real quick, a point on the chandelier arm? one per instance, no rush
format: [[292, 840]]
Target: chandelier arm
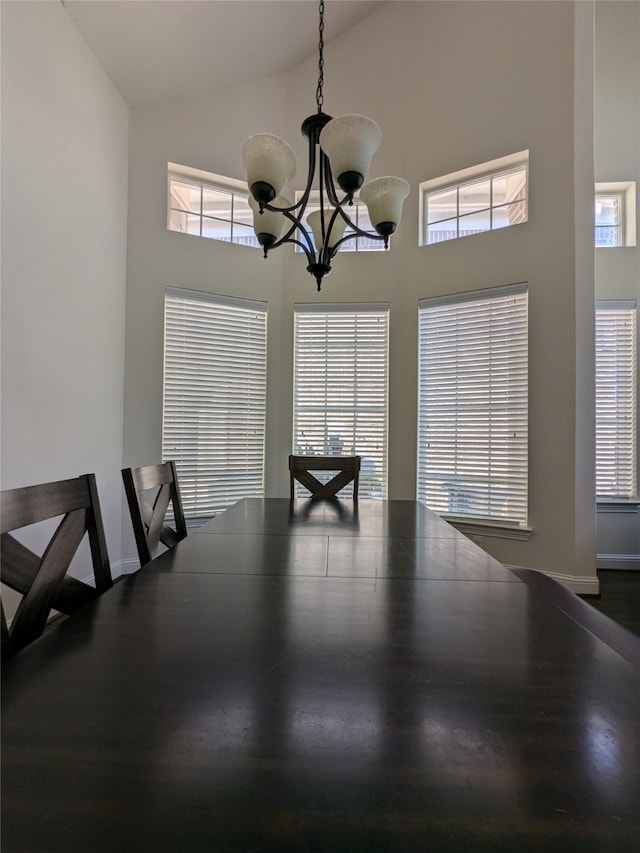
[[296, 222], [313, 146], [301, 204], [329, 183], [287, 238], [372, 235], [311, 256], [329, 249], [284, 210]]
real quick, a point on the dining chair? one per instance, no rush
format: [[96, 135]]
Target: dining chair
[[150, 489], [348, 468], [42, 580]]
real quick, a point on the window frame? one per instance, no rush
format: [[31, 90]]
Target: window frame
[[236, 190], [618, 226], [456, 370], [625, 191], [208, 337], [374, 371], [455, 181]]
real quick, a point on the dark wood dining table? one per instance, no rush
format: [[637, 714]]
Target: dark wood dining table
[[324, 676]]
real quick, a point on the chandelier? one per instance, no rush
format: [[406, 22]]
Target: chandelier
[[340, 146]]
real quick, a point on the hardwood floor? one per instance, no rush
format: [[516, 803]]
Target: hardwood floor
[[619, 597]]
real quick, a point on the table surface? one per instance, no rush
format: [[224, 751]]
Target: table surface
[[321, 677]]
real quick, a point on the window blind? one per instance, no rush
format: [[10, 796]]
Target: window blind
[[214, 398], [616, 402], [472, 412], [341, 387]]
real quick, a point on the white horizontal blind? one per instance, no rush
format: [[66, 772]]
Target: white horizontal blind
[[472, 418], [341, 388], [616, 399], [214, 398]]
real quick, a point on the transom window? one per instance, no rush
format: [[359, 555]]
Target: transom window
[[615, 214], [208, 205], [472, 405], [483, 198], [609, 219], [341, 378]]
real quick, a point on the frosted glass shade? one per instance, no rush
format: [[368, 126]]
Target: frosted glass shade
[[270, 160], [337, 231], [349, 142], [384, 198], [269, 222]]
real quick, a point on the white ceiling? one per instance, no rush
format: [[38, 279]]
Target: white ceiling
[[159, 50]]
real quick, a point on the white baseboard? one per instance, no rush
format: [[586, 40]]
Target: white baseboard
[[580, 584], [118, 570], [124, 567], [618, 561]]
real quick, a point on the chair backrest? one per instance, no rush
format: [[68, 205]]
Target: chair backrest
[[148, 513], [42, 581], [348, 468]]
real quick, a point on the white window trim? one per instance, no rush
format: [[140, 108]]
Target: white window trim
[[627, 189], [519, 160], [494, 530]]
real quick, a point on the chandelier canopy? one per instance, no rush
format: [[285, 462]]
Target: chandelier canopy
[[341, 147]]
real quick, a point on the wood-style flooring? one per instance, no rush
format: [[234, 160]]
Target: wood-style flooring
[[619, 597]]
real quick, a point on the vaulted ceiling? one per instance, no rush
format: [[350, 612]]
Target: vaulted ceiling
[[159, 50]]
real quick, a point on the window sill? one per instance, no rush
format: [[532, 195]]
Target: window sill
[[622, 505], [478, 527]]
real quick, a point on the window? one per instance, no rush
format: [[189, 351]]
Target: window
[[359, 214], [609, 219], [472, 406], [209, 205], [615, 214], [340, 387], [482, 198], [616, 403], [214, 398]]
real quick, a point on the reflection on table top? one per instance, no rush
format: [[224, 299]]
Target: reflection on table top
[[336, 518], [296, 693]]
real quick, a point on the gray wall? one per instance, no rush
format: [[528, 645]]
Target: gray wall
[[617, 158], [64, 220], [462, 83]]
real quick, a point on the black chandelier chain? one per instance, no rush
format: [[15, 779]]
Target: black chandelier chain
[[319, 95]]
